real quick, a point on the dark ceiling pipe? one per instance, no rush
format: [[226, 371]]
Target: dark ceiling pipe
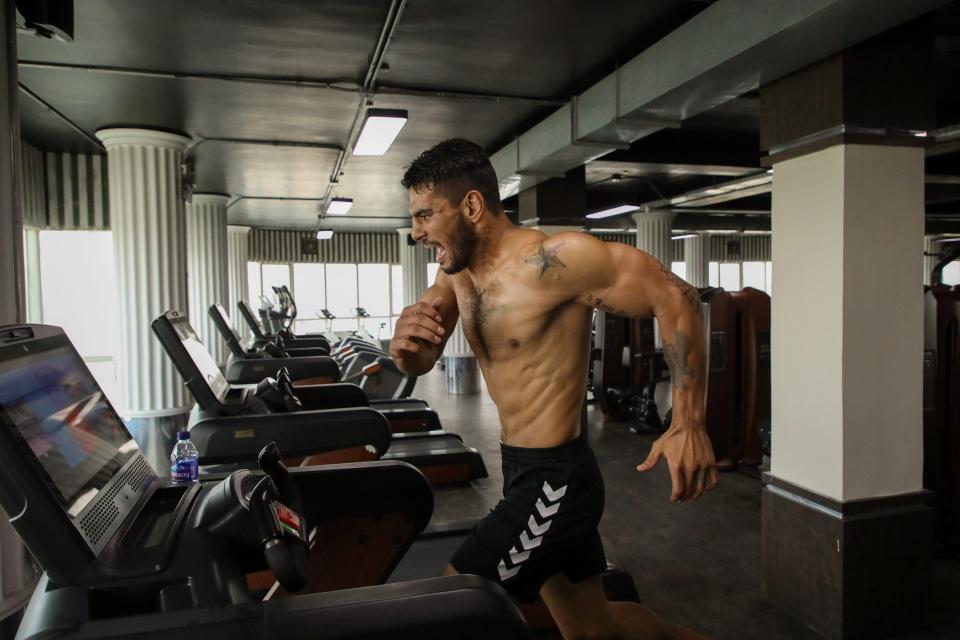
[[345, 86]]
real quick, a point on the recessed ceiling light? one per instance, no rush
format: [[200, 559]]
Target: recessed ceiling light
[[324, 234], [339, 206], [615, 211], [380, 128]]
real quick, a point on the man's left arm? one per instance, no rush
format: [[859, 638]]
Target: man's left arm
[[625, 281]]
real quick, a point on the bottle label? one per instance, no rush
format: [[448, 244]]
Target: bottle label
[[184, 471]]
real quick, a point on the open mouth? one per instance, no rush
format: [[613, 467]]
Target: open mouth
[[441, 253]]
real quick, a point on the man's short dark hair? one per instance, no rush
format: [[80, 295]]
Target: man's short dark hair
[[452, 168]]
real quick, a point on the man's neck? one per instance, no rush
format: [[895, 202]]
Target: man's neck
[[491, 249]]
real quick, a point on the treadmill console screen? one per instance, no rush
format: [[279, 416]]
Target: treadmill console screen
[[201, 358], [51, 402]]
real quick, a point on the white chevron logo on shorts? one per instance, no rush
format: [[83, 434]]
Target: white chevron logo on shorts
[[516, 557], [506, 574], [529, 543], [552, 495], [533, 539], [545, 511], [537, 529]]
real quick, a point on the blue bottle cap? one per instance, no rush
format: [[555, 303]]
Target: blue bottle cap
[[183, 435]]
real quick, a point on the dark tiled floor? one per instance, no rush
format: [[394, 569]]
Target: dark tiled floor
[[697, 564]]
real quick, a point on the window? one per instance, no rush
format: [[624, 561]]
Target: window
[[342, 295], [78, 292], [396, 277], [769, 270], [373, 284], [432, 268], [713, 274], [754, 275], [730, 276], [275, 275], [309, 281], [679, 268], [951, 273], [254, 285]]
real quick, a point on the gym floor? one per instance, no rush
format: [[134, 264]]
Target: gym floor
[[696, 564]]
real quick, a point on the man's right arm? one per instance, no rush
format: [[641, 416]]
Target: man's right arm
[[423, 328]]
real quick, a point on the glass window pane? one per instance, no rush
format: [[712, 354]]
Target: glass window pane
[[342, 291], [679, 268], [396, 275], [951, 273], [78, 289], [432, 268], [254, 285], [373, 282], [730, 276], [769, 288], [754, 275], [308, 281], [275, 275], [713, 274]]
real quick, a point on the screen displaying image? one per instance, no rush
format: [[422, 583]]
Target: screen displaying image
[[55, 405]]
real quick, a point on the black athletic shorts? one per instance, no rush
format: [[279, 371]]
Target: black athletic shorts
[[546, 523]]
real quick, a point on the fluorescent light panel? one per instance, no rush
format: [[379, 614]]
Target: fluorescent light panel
[[606, 213], [380, 129], [685, 236], [324, 234], [339, 206]]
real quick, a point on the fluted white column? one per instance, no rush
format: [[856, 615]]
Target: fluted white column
[[413, 266], [930, 246], [149, 247], [238, 254], [207, 266], [653, 234], [695, 255]]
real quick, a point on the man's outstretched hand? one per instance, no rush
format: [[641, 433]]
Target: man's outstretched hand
[[689, 455]]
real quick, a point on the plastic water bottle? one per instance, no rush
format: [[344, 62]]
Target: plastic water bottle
[[184, 467]]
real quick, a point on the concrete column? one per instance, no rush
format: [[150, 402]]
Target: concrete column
[[696, 255], [16, 573], [847, 339], [930, 248], [207, 267], [238, 254], [150, 257], [413, 266], [653, 234]]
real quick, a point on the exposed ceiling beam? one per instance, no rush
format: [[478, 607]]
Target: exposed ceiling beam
[[726, 50]]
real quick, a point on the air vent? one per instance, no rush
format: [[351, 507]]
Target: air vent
[[101, 517]]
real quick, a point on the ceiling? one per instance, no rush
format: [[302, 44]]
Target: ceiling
[[270, 93]]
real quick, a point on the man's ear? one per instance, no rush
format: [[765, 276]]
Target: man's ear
[[472, 205]]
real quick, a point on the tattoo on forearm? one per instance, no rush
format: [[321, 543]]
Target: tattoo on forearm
[[688, 290], [676, 354], [544, 258]]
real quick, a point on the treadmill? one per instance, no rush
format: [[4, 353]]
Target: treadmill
[[245, 366], [259, 337], [127, 554], [440, 456]]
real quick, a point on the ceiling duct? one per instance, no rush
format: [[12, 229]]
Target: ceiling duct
[[726, 50]]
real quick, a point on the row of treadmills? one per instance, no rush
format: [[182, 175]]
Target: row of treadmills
[[312, 518]]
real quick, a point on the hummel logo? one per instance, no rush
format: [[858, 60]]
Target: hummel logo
[[545, 511], [506, 574], [552, 495], [516, 557], [537, 529], [528, 542]]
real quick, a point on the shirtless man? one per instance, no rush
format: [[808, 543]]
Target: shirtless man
[[526, 302]]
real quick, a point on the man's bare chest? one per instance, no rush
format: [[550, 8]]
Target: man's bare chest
[[499, 317]]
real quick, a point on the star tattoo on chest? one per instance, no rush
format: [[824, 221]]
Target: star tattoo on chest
[[544, 258]]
